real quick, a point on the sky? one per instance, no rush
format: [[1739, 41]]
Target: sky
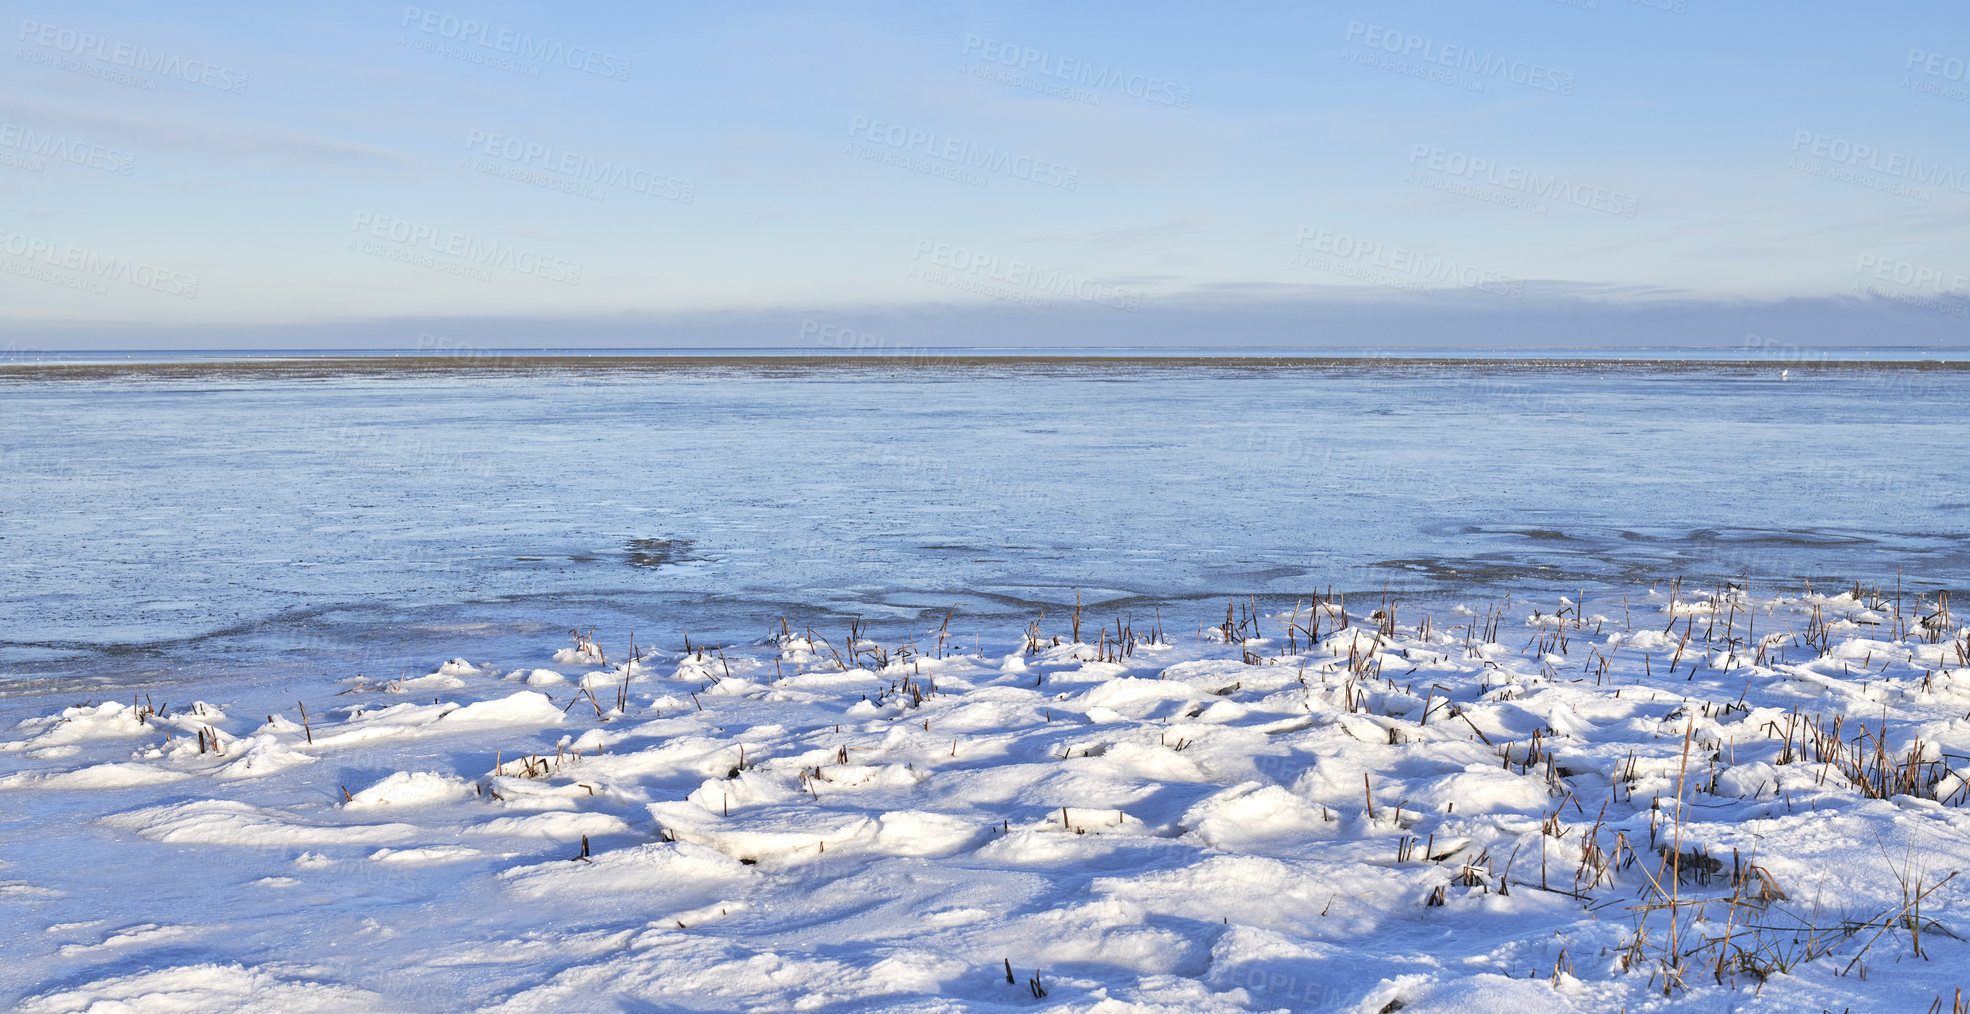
[[878, 175]]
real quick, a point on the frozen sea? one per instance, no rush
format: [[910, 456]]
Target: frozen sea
[[228, 516]]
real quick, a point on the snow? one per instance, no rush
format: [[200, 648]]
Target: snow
[[410, 788], [113, 775], [198, 988], [1385, 819], [230, 822], [527, 707], [545, 678]]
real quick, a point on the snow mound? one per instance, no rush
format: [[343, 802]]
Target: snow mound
[[1248, 817], [1137, 699], [52, 735], [435, 681], [114, 775], [558, 826], [410, 788], [263, 754], [229, 822], [527, 707], [208, 987]]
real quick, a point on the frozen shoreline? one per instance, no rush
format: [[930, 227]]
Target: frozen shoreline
[[1173, 823], [824, 361]]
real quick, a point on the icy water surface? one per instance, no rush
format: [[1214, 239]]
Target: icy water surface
[[205, 521]]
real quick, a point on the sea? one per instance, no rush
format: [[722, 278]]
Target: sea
[[306, 517]]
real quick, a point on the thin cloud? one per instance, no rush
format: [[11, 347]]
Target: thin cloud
[[241, 140]]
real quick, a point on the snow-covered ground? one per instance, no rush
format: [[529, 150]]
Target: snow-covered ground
[[1679, 800]]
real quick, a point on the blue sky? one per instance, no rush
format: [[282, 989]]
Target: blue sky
[[537, 175]]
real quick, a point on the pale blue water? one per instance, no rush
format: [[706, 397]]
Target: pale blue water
[[242, 524], [1752, 350]]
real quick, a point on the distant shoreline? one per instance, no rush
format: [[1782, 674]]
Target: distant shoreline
[[287, 365]]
